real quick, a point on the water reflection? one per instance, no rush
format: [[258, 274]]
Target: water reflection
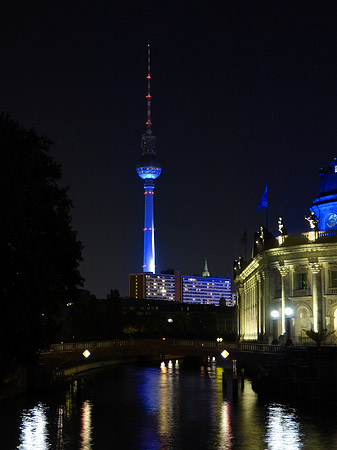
[[165, 407], [283, 428], [33, 429], [222, 435], [86, 425], [168, 400], [225, 428]]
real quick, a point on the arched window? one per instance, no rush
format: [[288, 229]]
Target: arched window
[[302, 322]]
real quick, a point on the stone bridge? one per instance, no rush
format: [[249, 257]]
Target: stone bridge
[[70, 358]]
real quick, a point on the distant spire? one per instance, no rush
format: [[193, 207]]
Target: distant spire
[[148, 122], [206, 273]]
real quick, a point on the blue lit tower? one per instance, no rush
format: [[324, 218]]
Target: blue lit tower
[[148, 169]]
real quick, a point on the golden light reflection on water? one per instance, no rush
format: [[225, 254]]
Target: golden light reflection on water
[[33, 429], [283, 429], [86, 425], [168, 398], [225, 422], [222, 438]]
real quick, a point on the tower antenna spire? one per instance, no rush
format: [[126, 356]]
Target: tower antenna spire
[[148, 97]]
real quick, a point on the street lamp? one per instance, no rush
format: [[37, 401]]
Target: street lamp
[[288, 312], [275, 315]]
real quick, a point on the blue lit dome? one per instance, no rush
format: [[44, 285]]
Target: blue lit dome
[[325, 205], [148, 167], [328, 184]]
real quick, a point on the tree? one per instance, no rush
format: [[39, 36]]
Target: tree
[[319, 336], [39, 250]]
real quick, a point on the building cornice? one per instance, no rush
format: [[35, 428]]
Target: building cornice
[[290, 256]]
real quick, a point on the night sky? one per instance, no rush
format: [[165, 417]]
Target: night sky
[[243, 95]]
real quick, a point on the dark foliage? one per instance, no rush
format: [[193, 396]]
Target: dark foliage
[[39, 250], [91, 319]]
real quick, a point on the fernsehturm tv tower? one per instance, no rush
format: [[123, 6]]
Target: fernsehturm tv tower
[[148, 169]]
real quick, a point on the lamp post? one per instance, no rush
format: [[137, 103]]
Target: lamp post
[[288, 313], [275, 315]]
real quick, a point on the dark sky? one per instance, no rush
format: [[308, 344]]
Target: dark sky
[[243, 95]]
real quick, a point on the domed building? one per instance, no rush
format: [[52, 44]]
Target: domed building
[[290, 284], [325, 205]]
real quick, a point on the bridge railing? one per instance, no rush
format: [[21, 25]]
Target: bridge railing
[[240, 346], [73, 346], [178, 343]]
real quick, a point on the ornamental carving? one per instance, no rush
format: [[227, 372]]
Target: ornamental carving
[[315, 267], [284, 270]]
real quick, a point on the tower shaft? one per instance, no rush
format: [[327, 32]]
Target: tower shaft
[[149, 247]]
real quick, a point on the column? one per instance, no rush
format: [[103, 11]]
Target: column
[[258, 305], [316, 295], [284, 270], [265, 310], [323, 297], [241, 309]]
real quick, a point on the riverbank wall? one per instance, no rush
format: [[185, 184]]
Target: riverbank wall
[[307, 374]]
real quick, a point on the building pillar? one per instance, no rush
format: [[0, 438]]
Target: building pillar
[[284, 270], [265, 296], [242, 313], [323, 297], [258, 306], [261, 329], [316, 295]]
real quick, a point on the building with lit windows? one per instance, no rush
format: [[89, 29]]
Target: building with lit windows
[[297, 271], [153, 286], [209, 290], [180, 288]]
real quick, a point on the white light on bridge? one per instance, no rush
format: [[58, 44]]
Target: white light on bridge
[[86, 353], [224, 354]]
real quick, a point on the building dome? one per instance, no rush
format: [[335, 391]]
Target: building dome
[[328, 184], [325, 205]]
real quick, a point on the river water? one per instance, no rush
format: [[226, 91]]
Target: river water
[[165, 407]]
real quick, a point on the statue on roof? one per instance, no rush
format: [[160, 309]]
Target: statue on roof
[[313, 221], [281, 227]]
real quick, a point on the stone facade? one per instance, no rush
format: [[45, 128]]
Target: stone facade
[[297, 271]]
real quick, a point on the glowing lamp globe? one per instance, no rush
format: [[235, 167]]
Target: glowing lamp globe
[[275, 314], [288, 311]]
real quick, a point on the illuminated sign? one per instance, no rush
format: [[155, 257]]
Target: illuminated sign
[[86, 353], [224, 354]]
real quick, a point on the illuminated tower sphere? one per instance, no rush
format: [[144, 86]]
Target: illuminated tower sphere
[[148, 169], [325, 205]]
